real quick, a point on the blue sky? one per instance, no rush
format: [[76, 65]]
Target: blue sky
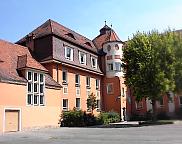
[[19, 17]]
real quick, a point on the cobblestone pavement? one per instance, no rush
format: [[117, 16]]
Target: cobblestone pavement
[[161, 134]]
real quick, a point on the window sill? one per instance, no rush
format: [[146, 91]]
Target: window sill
[[65, 83], [77, 85], [88, 87]]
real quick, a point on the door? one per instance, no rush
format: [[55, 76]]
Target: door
[[171, 103], [11, 120]]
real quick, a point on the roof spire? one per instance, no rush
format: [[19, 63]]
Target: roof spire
[[105, 22], [111, 25]]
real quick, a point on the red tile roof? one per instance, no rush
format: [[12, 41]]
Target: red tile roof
[[14, 57], [106, 34], [52, 27]]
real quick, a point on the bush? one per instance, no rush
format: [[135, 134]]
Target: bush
[[108, 117], [79, 118], [162, 116], [144, 117]]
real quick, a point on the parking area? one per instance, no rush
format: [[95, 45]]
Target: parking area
[[161, 134]]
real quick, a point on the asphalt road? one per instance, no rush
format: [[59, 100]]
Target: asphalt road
[[161, 134]]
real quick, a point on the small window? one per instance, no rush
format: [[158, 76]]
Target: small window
[[109, 88], [180, 100], [123, 92], [64, 76], [78, 91], [88, 92], [30, 99], [161, 102], [117, 66], [108, 48], [139, 105], [70, 35], [82, 58], [88, 82], [94, 62], [41, 88], [110, 66], [41, 78], [98, 105], [41, 99], [35, 87], [65, 104], [65, 90], [69, 53], [35, 77], [29, 87], [36, 99], [116, 47], [29, 76], [78, 103], [77, 79], [97, 83]]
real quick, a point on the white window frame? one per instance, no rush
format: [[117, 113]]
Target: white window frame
[[77, 83], [32, 93], [65, 71], [109, 66], [123, 92], [98, 107], [97, 84], [66, 52], [77, 91], [94, 66], [119, 64], [65, 92], [98, 94], [78, 108], [88, 84], [67, 105], [110, 84], [84, 62]]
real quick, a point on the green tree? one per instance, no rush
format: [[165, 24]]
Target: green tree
[[149, 65], [92, 102]]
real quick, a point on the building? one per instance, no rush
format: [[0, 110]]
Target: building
[[54, 69]]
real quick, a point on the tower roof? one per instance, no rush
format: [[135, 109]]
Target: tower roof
[[107, 34]]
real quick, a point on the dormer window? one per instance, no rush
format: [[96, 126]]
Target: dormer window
[[82, 58], [116, 47], [87, 43], [94, 62], [35, 86], [69, 53], [70, 35]]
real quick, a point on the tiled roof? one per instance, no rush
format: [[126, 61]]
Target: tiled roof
[[106, 34], [52, 27], [12, 54]]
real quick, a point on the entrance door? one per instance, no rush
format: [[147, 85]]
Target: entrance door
[[11, 120], [171, 103]]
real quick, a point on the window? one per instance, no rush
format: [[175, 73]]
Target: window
[[88, 92], [69, 53], [78, 103], [65, 90], [82, 58], [117, 66], [97, 83], [108, 48], [94, 62], [35, 87], [88, 82], [77, 91], [161, 102], [64, 76], [116, 47], [110, 88], [98, 105], [77, 79], [180, 100], [123, 92], [139, 105], [110, 66], [65, 104], [98, 93]]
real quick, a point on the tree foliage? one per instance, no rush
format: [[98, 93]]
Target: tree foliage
[[149, 64], [92, 102]]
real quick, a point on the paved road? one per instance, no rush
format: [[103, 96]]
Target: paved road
[[163, 134]]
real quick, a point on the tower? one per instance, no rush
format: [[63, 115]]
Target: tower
[[114, 89]]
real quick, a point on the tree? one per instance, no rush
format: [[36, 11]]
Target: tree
[[92, 102], [149, 65]]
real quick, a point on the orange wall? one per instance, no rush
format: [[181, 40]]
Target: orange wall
[[14, 96], [71, 96]]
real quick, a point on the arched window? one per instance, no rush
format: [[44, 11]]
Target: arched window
[[108, 48], [116, 47]]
